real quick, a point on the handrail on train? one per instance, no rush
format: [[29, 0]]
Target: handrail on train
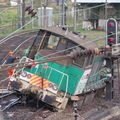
[[51, 70]]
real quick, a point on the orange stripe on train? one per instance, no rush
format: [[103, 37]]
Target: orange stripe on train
[[38, 82], [35, 77], [32, 81]]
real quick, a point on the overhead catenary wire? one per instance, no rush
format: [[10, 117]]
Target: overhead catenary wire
[[13, 64], [72, 47], [26, 24], [7, 8], [19, 34], [66, 49], [53, 53], [43, 61], [4, 59], [4, 39], [14, 51]]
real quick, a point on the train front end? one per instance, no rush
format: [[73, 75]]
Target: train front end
[[56, 73]]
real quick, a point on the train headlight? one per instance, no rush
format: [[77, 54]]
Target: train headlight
[[24, 74], [29, 76], [53, 87], [50, 85]]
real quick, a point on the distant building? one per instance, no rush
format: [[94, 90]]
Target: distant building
[[4, 2], [96, 16], [13, 2], [97, 1], [48, 20]]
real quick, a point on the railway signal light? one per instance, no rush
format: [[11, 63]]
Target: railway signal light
[[111, 32], [31, 11]]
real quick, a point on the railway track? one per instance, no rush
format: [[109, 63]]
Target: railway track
[[14, 108], [24, 112]]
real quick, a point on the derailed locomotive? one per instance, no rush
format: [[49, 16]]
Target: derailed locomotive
[[60, 67]]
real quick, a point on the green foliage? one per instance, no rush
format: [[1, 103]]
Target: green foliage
[[8, 16]]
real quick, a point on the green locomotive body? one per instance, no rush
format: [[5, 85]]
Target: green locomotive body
[[62, 66]]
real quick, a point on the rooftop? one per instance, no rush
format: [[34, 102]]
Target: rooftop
[[97, 1]]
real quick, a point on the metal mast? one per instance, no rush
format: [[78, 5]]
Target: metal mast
[[45, 15], [62, 14], [23, 13], [19, 13], [75, 15]]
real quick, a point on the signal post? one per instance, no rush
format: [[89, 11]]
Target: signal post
[[111, 40], [111, 32]]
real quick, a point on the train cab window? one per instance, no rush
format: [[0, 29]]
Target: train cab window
[[52, 42], [62, 44], [55, 43], [71, 44]]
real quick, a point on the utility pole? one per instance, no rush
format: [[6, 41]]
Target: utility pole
[[23, 13], [32, 18], [75, 19], [45, 13], [106, 10], [62, 13], [65, 13], [19, 13]]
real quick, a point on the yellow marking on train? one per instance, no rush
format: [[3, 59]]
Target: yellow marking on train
[[37, 81], [32, 81], [34, 77]]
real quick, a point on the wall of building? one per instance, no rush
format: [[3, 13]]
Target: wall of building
[[4, 2]]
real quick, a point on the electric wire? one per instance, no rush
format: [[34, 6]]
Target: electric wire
[[43, 61], [45, 57], [4, 39], [19, 34], [58, 52], [15, 51]]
